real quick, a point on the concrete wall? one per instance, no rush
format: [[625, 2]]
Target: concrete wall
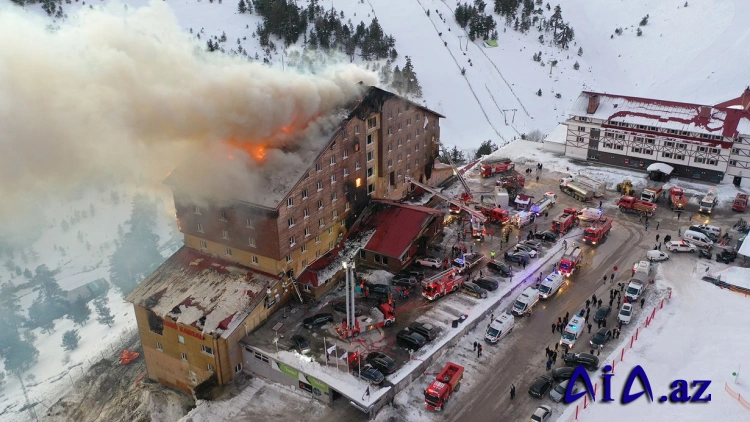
[[556, 147]]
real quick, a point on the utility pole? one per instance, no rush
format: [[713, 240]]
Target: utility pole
[[513, 119], [460, 42]]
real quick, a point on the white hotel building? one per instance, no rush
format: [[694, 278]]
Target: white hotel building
[[698, 141]]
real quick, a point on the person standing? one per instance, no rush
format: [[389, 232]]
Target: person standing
[[604, 279], [549, 364], [589, 328], [512, 391], [612, 278], [657, 237], [600, 204], [657, 225], [475, 346], [643, 301], [554, 357], [554, 328], [479, 349], [599, 304], [646, 225]]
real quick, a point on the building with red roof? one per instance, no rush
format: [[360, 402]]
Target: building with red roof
[[698, 141]]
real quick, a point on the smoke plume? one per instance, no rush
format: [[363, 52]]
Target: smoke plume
[[126, 91]]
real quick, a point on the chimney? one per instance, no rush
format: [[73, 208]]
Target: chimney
[[745, 99], [593, 104], [704, 112]]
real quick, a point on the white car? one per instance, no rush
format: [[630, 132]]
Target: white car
[[626, 313], [680, 246], [526, 248], [429, 262], [542, 414], [657, 256]]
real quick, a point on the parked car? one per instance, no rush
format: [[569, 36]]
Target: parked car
[[517, 257], [487, 284], [602, 313], [540, 386], [601, 337], [655, 256], [410, 340], [472, 289], [381, 362], [626, 313], [528, 249], [341, 307], [504, 269], [404, 282], [426, 330], [546, 236], [300, 344], [680, 246], [369, 373], [709, 231], [542, 414], [429, 262], [317, 320], [378, 289], [562, 373], [705, 253], [587, 360], [558, 392], [533, 244], [419, 275], [726, 256]]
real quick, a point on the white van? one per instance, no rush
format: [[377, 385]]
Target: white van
[[526, 301], [590, 214], [523, 219], [698, 239], [572, 331], [500, 327], [642, 267], [634, 291], [550, 285]]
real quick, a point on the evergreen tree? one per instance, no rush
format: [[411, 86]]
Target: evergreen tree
[[410, 79], [27, 274], [104, 314], [457, 155], [79, 311], [398, 80], [20, 356], [486, 148], [580, 51], [576, 66], [242, 7], [70, 340], [11, 318]]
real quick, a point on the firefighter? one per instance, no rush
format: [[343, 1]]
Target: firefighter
[[492, 254]]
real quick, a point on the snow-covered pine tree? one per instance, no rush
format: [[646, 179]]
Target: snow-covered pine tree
[[242, 7], [70, 340]]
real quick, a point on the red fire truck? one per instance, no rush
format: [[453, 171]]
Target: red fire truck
[[491, 167], [440, 285], [565, 221], [677, 200], [382, 316], [447, 382], [495, 215], [570, 261], [596, 233], [630, 204], [740, 202]]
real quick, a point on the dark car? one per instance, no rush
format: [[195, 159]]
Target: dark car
[[517, 257], [381, 362], [533, 244], [428, 331], [487, 284], [300, 344], [601, 337], [586, 360], [410, 340], [504, 269], [472, 289], [419, 275], [705, 253], [602, 313], [726, 256], [317, 320], [404, 281], [341, 307], [546, 236], [369, 373], [540, 386], [562, 373], [378, 289]]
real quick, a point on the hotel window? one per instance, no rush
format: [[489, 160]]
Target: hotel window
[[399, 158], [370, 172], [251, 242], [390, 131], [207, 350], [229, 251], [357, 166], [711, 162], [330, 230], [650, 141], [370, 189], [333, 145], [290, 221], [699, 159], [321, 222], [732, 162], [346, 135], [320, 204], [200, 227], [197, 210], [159, 347], [579, 139], [408, 166], [304, 193], [618, 147], [181, 340], [419, 117], [292, 241], [715, 151], [320, 186], [306, 176], [672, 131], [335, 216], [648, 152], [249, 224], [682, 146], [390, 147], [607, 145], [346, 171], [333, 160], [223, 215], [304, 248], [254, 259], [399, 110], [416, 147], [390, 163], [408, 137], [238, 368], [334, 196], [636, 150], [356, 129], [346, 154], [225, 234], [204, 245], [184, 356], [304, 263], [408, 106], [333, 178], [377, 259], [210, 367], [581, 128], [317, 239], [701, 149], [307, 232], [679, 157], [582, 119], [399, 126], [370, 156], [317, 253], [347, 207], [666, 154], [306, 213], [620, 136], [369, 139], [735, 150], [418, 132], [668, 144], [400, 142], [318, 167], [288, 258]]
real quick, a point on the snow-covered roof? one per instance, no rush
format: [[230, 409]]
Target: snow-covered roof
[[195, 289], [557, 135], [745, 248], [719, 121], [664, 168], [743, 126]]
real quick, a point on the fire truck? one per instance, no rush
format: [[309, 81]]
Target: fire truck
[[596, 233], [478, 231], [382, 316], [447, 382], [442, 284], [630, 204], [677, 200], [652, 194], [543, 205], [493, 166], [512, 181], [495, 215], [467, 261], [570, 261], [740, 202], [564, 222]]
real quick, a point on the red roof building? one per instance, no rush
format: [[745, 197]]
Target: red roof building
[[699, 141]]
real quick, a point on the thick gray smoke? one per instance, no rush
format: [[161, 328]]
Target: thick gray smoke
[[126, 91]]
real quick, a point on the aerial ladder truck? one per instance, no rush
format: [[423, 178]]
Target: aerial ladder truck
[[477, 218]]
